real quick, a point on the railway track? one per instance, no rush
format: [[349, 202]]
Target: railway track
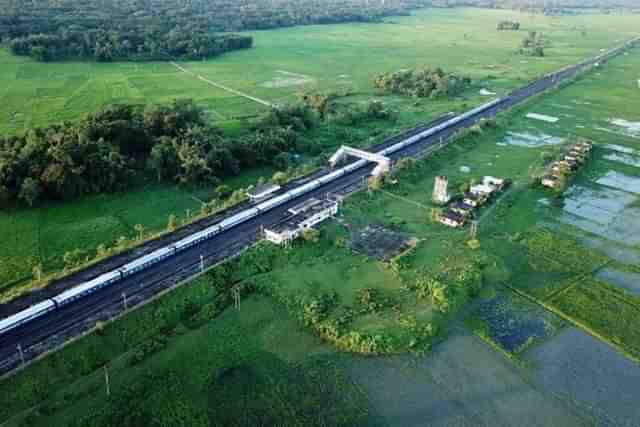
[[33, 339]]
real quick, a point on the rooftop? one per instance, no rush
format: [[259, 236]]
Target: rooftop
[[453, 216], [301, 213]]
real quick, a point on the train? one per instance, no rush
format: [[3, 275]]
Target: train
[[144, 262]]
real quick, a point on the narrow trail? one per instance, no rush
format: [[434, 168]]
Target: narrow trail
[[225, 88]]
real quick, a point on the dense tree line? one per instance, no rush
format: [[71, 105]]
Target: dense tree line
[[104, 150], [422, 83], [542, 5], [114, 44], [157, 29]]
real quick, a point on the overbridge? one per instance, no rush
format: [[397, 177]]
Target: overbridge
[[384, 163]]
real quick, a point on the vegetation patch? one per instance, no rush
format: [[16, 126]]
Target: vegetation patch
[[378, 242], [422, 83], [511, 322]]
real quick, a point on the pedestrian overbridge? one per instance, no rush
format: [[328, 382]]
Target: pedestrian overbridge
[[384, 163]]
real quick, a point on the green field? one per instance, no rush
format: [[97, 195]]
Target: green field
[[549, 251], [321, 58]]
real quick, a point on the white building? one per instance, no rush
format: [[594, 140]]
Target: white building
[[303, 216], [482, 189], [440, 190], [498, 183]]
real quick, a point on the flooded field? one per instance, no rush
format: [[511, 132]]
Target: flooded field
[[591, 374], [463, 382], [623, 279], [531, 139], [514, 323]]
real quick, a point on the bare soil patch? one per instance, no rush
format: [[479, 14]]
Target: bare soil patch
[[379, 242]]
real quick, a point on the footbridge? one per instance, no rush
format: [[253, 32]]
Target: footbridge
[[384, 163]]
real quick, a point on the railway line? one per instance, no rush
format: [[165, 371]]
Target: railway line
[[76, 310]]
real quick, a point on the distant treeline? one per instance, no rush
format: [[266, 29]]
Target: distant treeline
[[108, 45], [157, 29], [106, 149], [540, 5], [422, 83]]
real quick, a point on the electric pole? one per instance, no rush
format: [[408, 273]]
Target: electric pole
[[21, 353]]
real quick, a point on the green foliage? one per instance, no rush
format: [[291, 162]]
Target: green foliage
[[422, 83], [533, 44], [311, 235], [133, 43], [508, 25]]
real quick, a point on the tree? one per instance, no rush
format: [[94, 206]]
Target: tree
[[376, 182], [140, 230], [30, 191], [172, 223], [36, 272], [164, 159], [280, 178], [311, 235], [223, 191]]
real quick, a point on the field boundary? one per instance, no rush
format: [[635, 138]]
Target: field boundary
[[223, 87], [574, 322]]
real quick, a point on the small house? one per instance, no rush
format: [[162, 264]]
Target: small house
[[474, 200], [463, 209], [550, 181], [452, 219], [497, 183], [482, 189]]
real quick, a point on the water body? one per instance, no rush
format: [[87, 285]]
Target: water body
[[531, 140]]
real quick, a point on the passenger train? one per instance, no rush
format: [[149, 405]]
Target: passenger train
[[158, 255]]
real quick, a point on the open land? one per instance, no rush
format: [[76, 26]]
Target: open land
[[555, 322]]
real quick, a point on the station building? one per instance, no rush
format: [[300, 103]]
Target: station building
[[300, 218]]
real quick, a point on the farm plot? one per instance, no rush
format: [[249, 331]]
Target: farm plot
[[596, 378], [511, 322], [462, 382]]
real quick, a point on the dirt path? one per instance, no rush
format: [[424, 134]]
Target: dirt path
[[225, 88]]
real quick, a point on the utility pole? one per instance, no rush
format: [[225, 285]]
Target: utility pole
[[21, 353], [124, 301], [201, 263], [473, 231], [106, 380], [236, 297]]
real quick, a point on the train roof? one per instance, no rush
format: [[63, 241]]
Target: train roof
[[85, 286], [25, 314]]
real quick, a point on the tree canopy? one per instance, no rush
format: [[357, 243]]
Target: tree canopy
[[422, 83], [109, 30], [105, 149]]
